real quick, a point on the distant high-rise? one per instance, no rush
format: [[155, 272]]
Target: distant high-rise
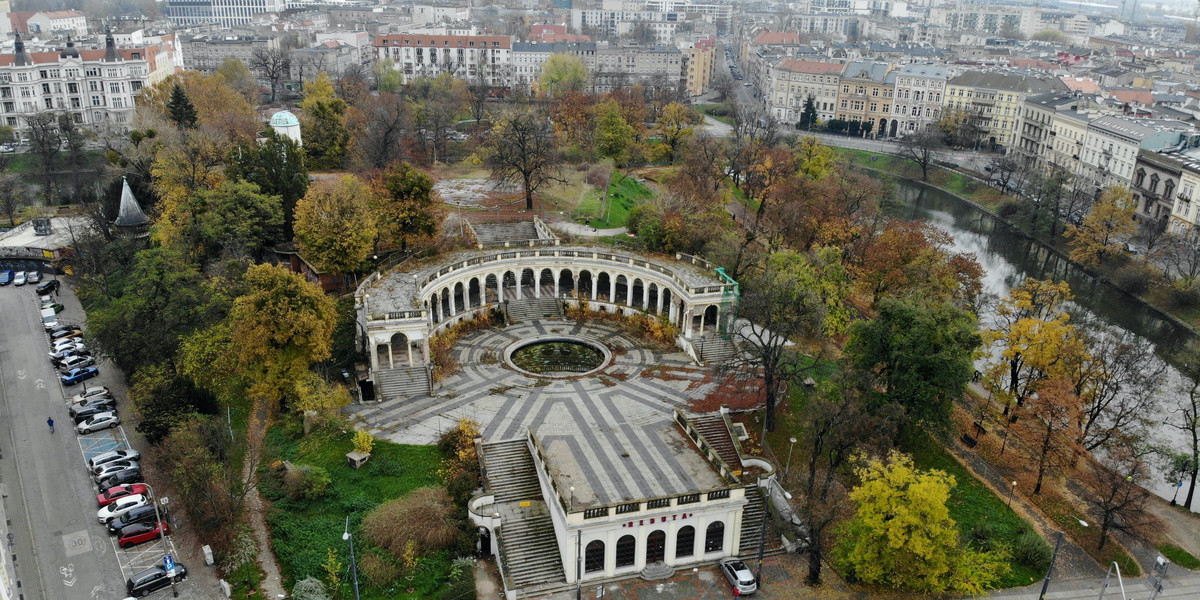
[[225, 12]]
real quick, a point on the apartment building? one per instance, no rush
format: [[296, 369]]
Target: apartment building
[[464, 56], [1067, 132], [623, 22], [701, 65], [1156, 177], [791, 81], [995, 19], [207, 52], [994, 101], [865, 94], [618, 67], [227, 13], [918, 104], [1185, 208], [63, 22], [1111, 147], [1036, 131], [96, 87]]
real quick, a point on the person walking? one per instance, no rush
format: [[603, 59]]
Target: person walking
[[50, 422]]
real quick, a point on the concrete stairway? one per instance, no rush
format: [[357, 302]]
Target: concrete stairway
[[716, 434], [752, 520], [511, 476], [713, 349], [528, 544], [401, 382], [529, 309], [496, 234]]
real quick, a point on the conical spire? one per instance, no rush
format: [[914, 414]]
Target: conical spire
[[130, 214], [110, 48], [21, 59]]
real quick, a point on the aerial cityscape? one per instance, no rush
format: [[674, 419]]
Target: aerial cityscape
[[640, 299]]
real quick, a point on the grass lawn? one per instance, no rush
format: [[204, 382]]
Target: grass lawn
[[623, 194], [952, 181], [973, 505], [303, 531], [27, 163], [1180, 556], [707, 109]]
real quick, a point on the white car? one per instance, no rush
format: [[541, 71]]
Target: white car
[[104, 420], [102, 472], [115, 455], [89, 392], [739, 576], [76, 362], [120, 507], [68, 344], [19, 278]]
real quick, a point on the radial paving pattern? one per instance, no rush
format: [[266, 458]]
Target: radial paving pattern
[[609, 434]]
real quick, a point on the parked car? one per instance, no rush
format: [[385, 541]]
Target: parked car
[[19, 278], [98, 421], [115, 455], [80, 415], [77, 361], [56, 306], [46, 300], [153, 579], [59, 332], [138, 533], [79, 375], [122, 478], [6, 277], [120, 507], [140, 514], [103, 472], [64, 342], [58, 354], [739, 576], [47, 287], [115, 493], [101, 402], [33, 276], [99, 390]]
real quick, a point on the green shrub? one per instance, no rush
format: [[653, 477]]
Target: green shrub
[[1032, 551], [463, 589], [1009, 209], [982, 535], [242, 549], [379, 570], [307, 482], [1134, 277], [1183, 297], [309, 588]]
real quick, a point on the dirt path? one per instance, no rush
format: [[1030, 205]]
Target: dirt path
[[272, 582]]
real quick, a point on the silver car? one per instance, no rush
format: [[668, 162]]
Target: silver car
[[33, 276], [739, 576], [104, 420]]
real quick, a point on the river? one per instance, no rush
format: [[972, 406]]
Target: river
[[1009, 257]]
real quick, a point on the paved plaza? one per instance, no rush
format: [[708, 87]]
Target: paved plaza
[[612, 431]]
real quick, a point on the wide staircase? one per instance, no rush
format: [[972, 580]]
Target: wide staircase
[[497, 234], [752, 521], [528, 543], [713, 349], [529, 309], [401, 382]]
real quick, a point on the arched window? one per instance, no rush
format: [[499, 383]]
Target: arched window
[[1140, 177], [714, 537], [593, 557], [685, 541], [626, 551]]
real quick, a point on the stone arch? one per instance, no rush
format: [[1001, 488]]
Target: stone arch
[[714, 537], [621, 291], [508, 289], [397, 342], [474, 299], [491, 288], [566, 283], [626, 551], [546, 283], [593, 557], [685, 541], [711, 313], [666, 299], [656, 546], [637, 294], [459, 298], [603, 286], [587, 287], [652, 297], [446, 311], [528, 284]]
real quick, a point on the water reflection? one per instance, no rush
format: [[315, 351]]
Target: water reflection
[[1009, 257]]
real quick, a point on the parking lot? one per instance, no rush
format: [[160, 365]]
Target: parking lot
[[60, 548]]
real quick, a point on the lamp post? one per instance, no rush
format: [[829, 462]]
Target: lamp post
[[353, 567], [762, 534], [163, 537], [1054, 557], [788, 467], [1011, 489]]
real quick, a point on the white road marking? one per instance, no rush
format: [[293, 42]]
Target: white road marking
[[77, 542]]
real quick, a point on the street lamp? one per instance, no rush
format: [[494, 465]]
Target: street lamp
[[762, 532], [1010, 493], [353, 566], [163, 537], [788, 467], [1054, 557]]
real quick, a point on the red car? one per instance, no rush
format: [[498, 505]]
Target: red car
[[137, 533], [120, 491]]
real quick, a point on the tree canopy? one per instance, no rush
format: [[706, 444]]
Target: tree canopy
[[335, 224]]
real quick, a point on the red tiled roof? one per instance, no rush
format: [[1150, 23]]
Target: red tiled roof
[[147, 54], [1084, 85], [777, 37], [1144, 97], [796, 65], [20, 21]]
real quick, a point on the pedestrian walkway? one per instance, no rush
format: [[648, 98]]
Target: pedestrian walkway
[[579, 229], [1178, 584]]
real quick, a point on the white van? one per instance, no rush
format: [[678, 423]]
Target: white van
[[49, 318]]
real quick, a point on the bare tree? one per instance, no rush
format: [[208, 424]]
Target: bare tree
[[923, 148], [478, 92], [1003, 169], [1179, 256], [271, 64], [1118, 377], [352, 84], [12, 196], [1186, 416], [521, 150], [380, 127], [1052, 412], [1117, 498], [45, 142]]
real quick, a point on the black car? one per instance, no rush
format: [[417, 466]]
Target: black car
[[141, 514], [47, 287], [153, 579], [120, 478], [80, 415]]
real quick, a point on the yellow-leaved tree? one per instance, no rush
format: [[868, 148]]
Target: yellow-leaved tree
[[902, 535], [336, 224], [1105, 228]]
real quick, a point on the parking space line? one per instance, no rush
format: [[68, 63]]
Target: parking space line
[[99, 442]]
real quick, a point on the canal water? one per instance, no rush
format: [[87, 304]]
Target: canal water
[[1009, 257]]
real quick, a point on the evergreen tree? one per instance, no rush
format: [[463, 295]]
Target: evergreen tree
[[277, 165], [181, 109], [808, 117]]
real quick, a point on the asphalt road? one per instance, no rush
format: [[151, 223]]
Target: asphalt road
[[61, 551]]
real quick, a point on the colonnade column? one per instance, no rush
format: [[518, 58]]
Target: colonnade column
[[408, 346], [612, 286], [645, 296], [391, 359], [658, 301], [374, 354]]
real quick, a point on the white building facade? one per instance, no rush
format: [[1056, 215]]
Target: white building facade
[[463, 56], [918, 101], [228, 13]]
